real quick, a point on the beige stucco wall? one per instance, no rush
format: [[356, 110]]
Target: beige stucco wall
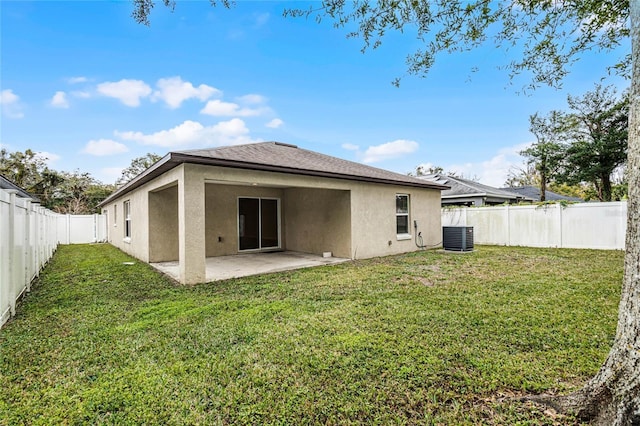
[[349, 218], [372, 210], [318, 221], [373, 213], [138, 246], [163, 225], [221, 215], [191, 223]]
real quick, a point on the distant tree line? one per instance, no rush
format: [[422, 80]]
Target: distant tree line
[[64, 192], [580, 152]]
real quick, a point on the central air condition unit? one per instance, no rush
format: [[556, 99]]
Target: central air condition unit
[[457, 238]]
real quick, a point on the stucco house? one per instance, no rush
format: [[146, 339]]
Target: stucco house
[[465, 192], [533, 192], [268, 196]]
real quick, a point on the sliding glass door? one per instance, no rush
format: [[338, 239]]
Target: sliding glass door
[[258, 223]]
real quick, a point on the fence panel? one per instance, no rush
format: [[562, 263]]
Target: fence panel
[[595, 225], [585, 225], [29, 235], [81, 229], [492, 227]]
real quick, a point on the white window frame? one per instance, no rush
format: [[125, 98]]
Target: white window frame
[[126, 212], [405, 235], [115, 215]]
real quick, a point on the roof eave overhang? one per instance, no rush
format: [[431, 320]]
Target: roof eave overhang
[[174, 159], [161, 166]]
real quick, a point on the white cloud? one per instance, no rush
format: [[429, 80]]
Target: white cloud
[[102, 147], [109, 175], [81, 94], [173, 91], [48, 157], [350, 147], [191, 133], [252, 99], [59, 100], [495, 170], [10, 104], [76, 80], [275, 123], [218, 108], [129, 92], [389, 150]]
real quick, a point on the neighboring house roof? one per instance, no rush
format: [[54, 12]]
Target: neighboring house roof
[[464, 188], [7, 184], [275, 157], [534, 193]]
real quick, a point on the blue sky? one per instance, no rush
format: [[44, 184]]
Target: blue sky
[[85, 85]]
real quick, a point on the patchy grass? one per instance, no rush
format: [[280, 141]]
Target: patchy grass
[[427, 337]]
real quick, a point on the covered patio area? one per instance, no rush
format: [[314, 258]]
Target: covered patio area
[[246, 264]]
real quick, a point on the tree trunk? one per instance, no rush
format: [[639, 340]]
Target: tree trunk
[[543, 186], [606, 187], [612, 397], [598, 187]]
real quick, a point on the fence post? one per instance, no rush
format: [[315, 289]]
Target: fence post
[[11, 251], [624, 206], [559, 207], [68, 221], [27, 245], [95, 228], [508, 219], [36, 239]]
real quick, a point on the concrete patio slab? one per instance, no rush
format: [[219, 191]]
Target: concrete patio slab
[[246, 264]]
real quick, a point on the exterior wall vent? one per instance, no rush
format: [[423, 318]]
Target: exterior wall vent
[[457, 238]]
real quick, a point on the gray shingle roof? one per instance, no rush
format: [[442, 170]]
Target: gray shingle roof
[[460, 187], [294, 159], [7, 184], [534, 193], [275, 157]]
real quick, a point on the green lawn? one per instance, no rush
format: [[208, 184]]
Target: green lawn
[[427, 337]]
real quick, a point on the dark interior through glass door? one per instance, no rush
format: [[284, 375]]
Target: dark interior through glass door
[[258, 223], [269, 222], [249, 224]]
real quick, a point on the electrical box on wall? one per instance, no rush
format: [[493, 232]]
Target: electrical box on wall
[[457, 238]]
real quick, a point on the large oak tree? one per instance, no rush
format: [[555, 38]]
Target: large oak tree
[[548, 36]]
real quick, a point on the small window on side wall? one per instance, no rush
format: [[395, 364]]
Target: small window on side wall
[[127, 219], [402, 214], [115, 215]]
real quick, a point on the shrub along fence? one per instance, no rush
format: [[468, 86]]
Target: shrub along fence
[[29, 235], [584, 225]]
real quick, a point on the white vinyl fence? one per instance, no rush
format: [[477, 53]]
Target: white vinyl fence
[[584, 225], [81, 228], [29, 235]]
